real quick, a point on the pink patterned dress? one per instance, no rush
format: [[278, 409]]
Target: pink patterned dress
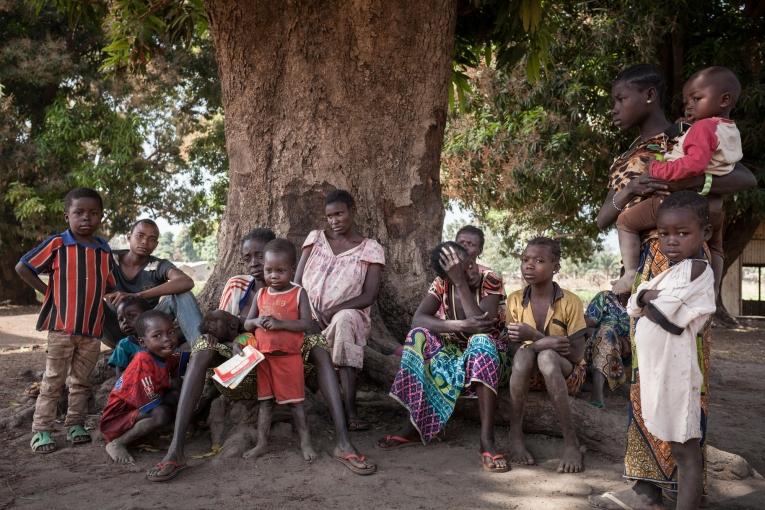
[[331, 279]]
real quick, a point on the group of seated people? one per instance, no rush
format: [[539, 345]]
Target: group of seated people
[[311, 314]]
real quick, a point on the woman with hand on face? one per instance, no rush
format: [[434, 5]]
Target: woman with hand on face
[[452, 352]]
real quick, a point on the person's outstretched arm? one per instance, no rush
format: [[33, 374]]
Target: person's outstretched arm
[[616, 201], [177, 282], [739, 179]]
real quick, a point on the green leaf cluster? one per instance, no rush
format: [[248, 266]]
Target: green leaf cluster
[[151, 143]]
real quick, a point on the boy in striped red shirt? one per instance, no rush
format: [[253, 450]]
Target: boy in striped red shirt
[[79, 269]]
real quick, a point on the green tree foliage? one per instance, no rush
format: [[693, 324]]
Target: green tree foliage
[[531, 157], [139, 30], [166, 246], [151, 143]]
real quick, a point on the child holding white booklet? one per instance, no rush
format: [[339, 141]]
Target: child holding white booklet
[[280, 316]]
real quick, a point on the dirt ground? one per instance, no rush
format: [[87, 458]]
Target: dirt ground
[[446, 474]]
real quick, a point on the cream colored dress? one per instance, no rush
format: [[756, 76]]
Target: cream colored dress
[[670, 376]]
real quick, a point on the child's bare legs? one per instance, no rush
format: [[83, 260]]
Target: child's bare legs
[[689, 473], [265, 410], [629, 246], [146, 424], [301, 424], [191, 390], [487, 403], [554, 369], [633, 220], [524, 362]]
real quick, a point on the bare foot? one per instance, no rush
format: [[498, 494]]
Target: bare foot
[[119, 453], [519, 454], [309, 454], [572, 460], [259, 450], [624, 284]]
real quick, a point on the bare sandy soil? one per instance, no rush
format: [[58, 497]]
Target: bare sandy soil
[[446, 474]]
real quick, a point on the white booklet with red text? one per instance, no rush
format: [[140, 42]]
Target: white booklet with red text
[[231, 373]]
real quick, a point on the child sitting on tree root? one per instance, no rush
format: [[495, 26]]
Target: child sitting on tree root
[[280, 316], [545, 325], [144, 398]]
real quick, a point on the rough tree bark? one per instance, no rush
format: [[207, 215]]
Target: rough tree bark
[[336, 94]]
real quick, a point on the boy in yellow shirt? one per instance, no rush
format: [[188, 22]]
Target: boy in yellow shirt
[[545, 325]]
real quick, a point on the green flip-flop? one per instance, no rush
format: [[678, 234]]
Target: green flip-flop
[[76, 434], [40, 439]]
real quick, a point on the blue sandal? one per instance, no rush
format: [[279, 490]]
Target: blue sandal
[[76, 434], [40, 439]]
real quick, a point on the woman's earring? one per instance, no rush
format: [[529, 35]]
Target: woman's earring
[[649, 101]]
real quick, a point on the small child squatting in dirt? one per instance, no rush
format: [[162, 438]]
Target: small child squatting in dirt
[[127, 312], [712, 145], [546, 327], [673, 307], [73, 316], [144, 397], [280, 315]]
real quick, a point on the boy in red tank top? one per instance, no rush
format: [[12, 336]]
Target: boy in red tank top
[[280, 315]]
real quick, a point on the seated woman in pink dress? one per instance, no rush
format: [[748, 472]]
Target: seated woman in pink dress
[[341, 269]]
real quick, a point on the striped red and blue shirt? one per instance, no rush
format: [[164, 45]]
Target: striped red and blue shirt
[[79, 277]]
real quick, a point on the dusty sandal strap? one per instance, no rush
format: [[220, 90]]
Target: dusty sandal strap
[[77, 434], [40, 439]]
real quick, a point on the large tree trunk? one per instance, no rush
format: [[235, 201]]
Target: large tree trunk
[[330, 94]]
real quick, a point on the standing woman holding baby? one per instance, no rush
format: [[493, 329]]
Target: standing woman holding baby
[[638, 95]]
